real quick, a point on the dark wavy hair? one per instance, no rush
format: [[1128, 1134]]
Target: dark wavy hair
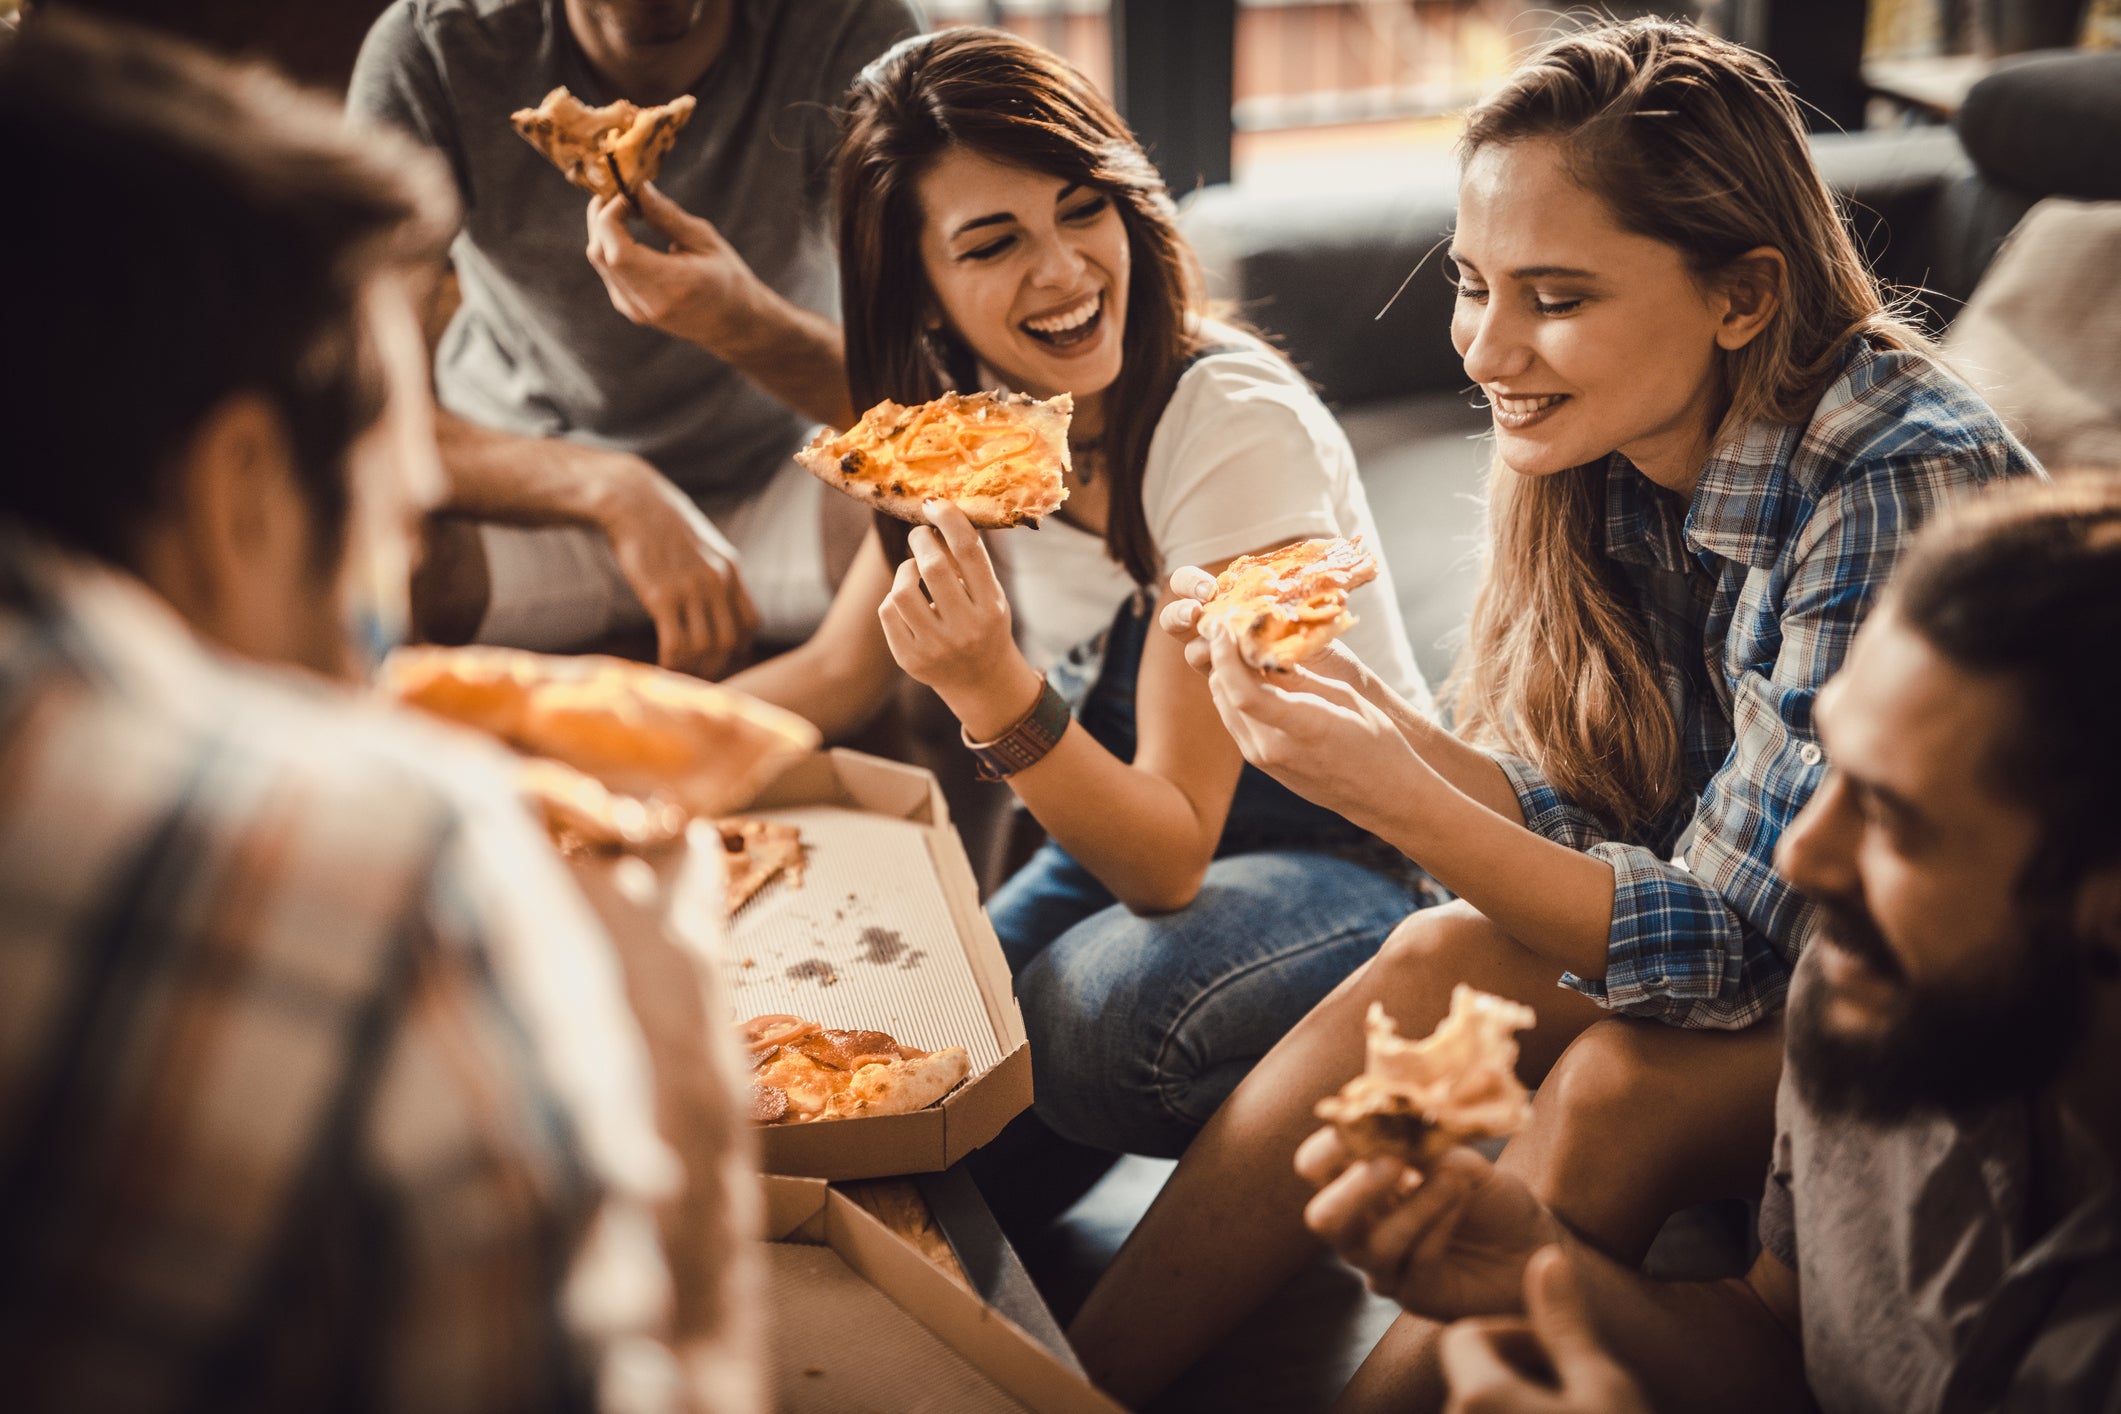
[[191, 228], [1009, 100], [2023, 583]]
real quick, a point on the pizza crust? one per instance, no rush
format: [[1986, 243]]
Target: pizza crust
[[1416, 1099], [803, 1072], [755, 853], [639, 730], [582, 816], [1282, 606], [607, 151], [1001, 458]]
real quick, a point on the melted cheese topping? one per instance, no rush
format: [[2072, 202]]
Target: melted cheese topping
[[1287, 603], [1007, 450]]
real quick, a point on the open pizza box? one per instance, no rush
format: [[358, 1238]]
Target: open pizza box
[[859, 1319], [884, 932]]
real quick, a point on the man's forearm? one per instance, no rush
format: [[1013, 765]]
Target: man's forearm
[[798, 356], [502, 476], [1711, 1345]]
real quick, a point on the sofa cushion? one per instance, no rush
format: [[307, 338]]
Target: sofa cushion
[[2041, 337], [2049, 124]]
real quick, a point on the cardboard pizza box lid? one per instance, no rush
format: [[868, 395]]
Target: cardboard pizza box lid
[[885, 931], [836, 1347]]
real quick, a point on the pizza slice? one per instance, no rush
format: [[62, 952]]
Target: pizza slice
[[1001, 458], [802, 1072], [755, 853], [1284, 605], [607, 151], [582, 816], [1416, 1099], [640, 730]]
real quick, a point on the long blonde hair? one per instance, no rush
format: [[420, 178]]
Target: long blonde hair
[[1695, 142]]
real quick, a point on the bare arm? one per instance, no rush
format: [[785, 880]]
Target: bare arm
[[841, 676], [679, 566], [1146, 830], [700, 290], [1331, 744], [1469, 769]]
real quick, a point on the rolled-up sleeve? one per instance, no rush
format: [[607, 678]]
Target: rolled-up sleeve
[[1707, 940], [1547, 811]]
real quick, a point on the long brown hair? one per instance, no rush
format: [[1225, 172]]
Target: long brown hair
[[1695, 142], [1010, 101]]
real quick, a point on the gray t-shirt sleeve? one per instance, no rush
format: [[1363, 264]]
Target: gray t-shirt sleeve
[[397, 82]]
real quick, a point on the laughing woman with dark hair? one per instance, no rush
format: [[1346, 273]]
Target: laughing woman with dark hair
[[1000, 227]]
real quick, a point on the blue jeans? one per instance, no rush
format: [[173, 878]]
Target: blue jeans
[[1141, 1025]]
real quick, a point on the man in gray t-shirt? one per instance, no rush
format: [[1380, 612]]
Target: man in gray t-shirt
[[628, 475], [1941, 1228]]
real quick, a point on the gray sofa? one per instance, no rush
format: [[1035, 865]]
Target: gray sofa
[[1315, 267]]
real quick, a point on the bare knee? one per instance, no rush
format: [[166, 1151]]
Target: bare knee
[[1588, 1150], [1602, 1086], [1436, 947]]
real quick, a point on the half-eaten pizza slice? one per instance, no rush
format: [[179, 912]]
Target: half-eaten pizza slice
[[801, 1071], [1416, 1099], [607, 151], [1284, 605], [1001, 458]]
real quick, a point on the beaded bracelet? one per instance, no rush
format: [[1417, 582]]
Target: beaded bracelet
[[1026, 743]]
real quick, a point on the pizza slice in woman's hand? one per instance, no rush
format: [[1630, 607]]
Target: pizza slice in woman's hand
[[1001, 458], [1284, 605]]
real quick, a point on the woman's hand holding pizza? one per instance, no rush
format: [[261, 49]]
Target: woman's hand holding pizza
[[1447, 1243], [1322, 738], [946, 621], [1191, 587]]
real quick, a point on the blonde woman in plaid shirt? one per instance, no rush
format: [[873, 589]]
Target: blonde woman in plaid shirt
[[318, 1087], [1713, 438]]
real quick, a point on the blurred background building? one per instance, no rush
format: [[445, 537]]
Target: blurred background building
[[1272, 89]]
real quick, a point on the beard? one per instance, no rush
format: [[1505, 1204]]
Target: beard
[[1954, 1049]]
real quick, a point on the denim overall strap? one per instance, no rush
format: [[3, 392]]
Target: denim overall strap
[[1264, 813]]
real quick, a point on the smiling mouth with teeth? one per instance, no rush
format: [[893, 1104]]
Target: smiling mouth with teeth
[[1520, 413], [1070, 326]]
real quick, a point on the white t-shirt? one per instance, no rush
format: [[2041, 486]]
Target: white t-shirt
[[1245, 458]]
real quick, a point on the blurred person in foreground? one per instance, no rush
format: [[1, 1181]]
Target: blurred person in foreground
[[1941, 1226], [318, 1086]]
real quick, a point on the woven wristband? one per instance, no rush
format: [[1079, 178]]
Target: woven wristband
[[1024, 745]]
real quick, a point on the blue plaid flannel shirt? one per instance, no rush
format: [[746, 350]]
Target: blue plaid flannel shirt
[[1752, 594]]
